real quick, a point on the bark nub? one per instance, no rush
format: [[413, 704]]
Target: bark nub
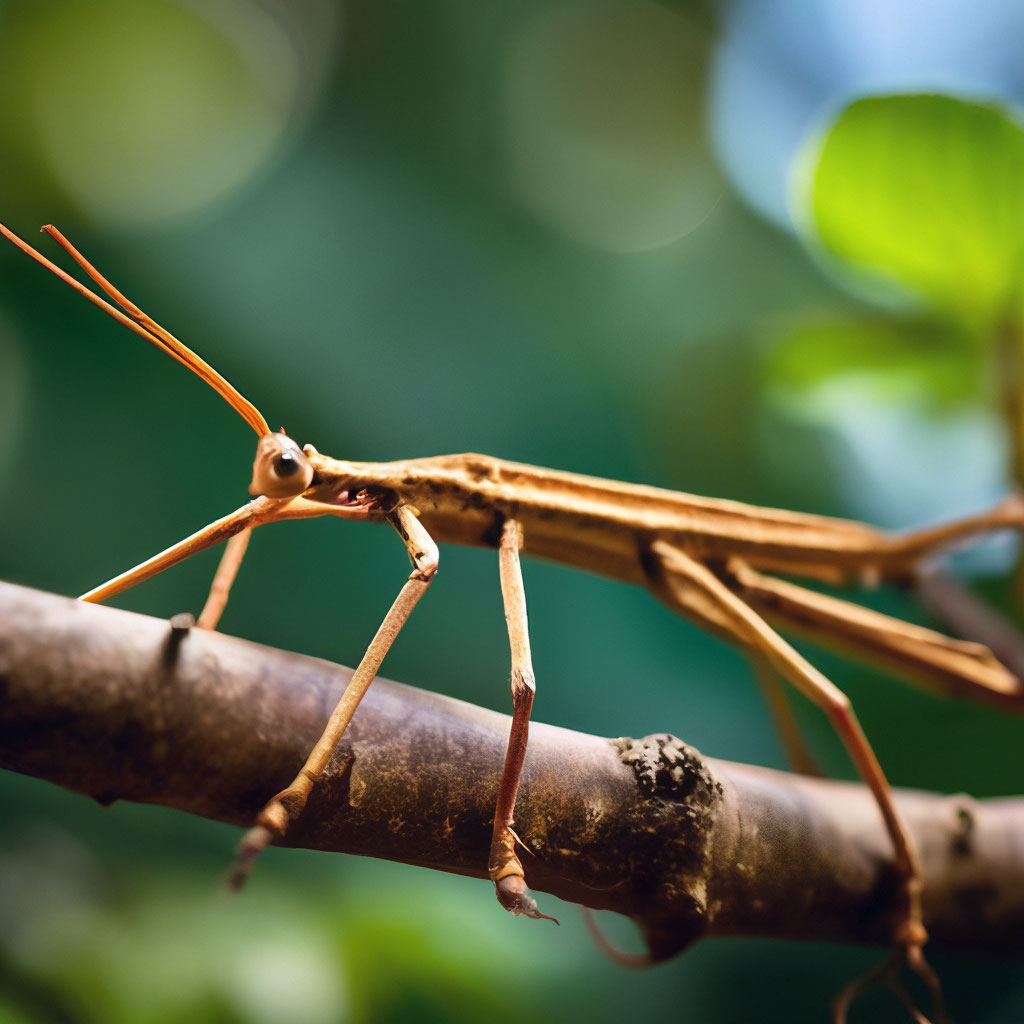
[[680, 795]]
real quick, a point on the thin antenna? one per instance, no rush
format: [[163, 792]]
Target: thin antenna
[[143, 325]]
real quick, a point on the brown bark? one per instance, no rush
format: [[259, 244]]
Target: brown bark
[[121, 706]]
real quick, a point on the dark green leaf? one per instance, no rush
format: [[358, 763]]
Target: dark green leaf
[[927, 364]]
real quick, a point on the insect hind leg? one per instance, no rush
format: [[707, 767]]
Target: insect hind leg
[[692, 589]]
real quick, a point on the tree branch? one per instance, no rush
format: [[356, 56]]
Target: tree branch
[[122, 706]]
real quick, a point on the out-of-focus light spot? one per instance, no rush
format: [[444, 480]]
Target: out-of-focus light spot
[[781, 68], [605, 127], [147, 112], [291, 977]]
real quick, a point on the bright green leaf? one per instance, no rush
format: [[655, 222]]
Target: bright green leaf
[[928, 192]]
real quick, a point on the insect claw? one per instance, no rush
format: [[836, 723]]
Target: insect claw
[[515, 897], [631, 961], [887, 972]]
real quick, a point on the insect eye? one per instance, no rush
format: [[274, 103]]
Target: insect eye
[[286, 465], [280, 469]]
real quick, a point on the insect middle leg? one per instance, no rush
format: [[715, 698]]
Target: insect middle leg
[[273, 821], [692, 589], [504, 866]]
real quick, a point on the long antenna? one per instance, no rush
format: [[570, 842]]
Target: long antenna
[[142, 325]]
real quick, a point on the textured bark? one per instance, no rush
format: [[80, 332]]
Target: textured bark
[[122, 706]]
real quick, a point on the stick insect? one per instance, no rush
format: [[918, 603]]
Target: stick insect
[[712, 561]]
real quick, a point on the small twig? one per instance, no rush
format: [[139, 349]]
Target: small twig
[[968, 617]]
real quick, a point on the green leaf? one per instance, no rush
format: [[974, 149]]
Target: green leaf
[[927, 192], [928, 365]]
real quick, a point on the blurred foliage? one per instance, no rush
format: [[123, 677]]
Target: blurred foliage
[[191, 100], [605, 123], [410, 229], [909, 362]]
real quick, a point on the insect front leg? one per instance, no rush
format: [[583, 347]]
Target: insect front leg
[[272, 822], [252, 514], [691, 588], [503, 864], [235, 528]]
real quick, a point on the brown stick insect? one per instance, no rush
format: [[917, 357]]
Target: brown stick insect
[[713, 561]]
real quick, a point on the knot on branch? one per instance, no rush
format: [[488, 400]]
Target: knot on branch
[[680, 796], [667, 767]]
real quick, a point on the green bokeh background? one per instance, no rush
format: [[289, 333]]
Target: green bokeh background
[[406, 230]]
